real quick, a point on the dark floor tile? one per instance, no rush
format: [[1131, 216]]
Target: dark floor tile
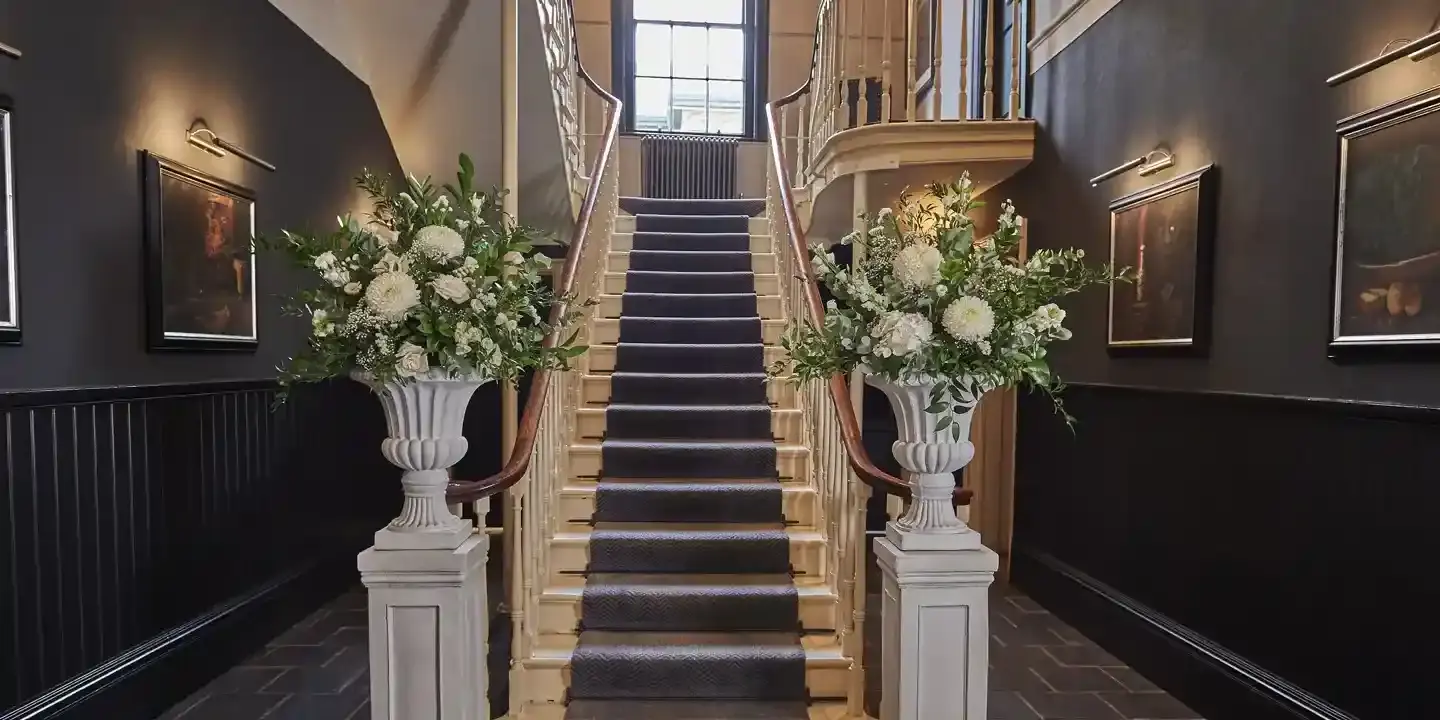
[[1133, 681], [1024, 604], [1086, 655], [183, 707], [362, 712], [1017, 678], [339, 673], [353, 600], [1008, 706], [234, 707], [1149, 706], [1071, 706], [313, 634], [348, 637], [317, 707], [1077, 679], [293, 656], [244, 679]]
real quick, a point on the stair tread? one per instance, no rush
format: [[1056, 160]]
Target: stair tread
[[689, 376], [699, 295], [686, 710], [691, 581], [648, 407], [691, 253], [660, 527], [690, 443]]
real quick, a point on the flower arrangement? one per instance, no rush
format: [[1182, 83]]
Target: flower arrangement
[[931, 301], [438, 279]]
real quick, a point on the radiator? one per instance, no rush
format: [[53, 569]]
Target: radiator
[[689, 167]]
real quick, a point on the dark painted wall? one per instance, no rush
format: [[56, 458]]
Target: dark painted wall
[[156, 534], [103, 80], [1188, 524]]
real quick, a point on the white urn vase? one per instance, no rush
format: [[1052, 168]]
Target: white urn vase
[[426, 420], [929, 456]]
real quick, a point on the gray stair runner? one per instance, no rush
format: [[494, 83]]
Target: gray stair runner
[[689, 610]]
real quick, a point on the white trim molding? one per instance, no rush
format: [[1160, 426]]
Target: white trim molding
[[1065, 27]]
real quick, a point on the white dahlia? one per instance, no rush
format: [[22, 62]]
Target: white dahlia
[[392, 295], [438, 242], [900, 334], [918, 266], [969, 318]]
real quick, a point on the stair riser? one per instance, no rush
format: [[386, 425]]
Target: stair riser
[[778, 392], [608, 331], [767, 306], [560, 617], [602, 358], [757, 243], [759, 263], [765, 286], [570, 558], [551, 711], [750, 423], [689, 283], [785, 425], [791, 463], [548, 686], [798, 502], [756, 226]]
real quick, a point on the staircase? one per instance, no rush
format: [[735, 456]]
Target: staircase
[[688, 575]]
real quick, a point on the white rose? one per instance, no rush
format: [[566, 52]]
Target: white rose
[[353, 288], [412, 361], [968, 318], [451, 288], [439, 242], [325, 261], [918, 266], [385, 236], [391, 263], [336, 276], [901, 334], [392, 295], [1048, 318]]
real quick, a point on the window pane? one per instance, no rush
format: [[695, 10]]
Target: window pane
[[690, 51], [727, 107], [727, 54], [652, 104], [652, 49], [688, 113], [713, 11]]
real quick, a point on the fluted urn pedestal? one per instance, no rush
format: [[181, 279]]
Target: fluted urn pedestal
[[426, 572], [935, 609]]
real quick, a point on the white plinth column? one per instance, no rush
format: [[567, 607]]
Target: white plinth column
[[936, 632], [428, 628]]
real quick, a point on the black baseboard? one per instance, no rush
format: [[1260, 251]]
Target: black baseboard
[[146, 681], [1211, 679]]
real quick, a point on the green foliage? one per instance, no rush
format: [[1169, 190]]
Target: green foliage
[[930, 299], [435, 279]]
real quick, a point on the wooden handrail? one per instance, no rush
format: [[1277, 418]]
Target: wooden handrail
[[877, 479], [519, 461]]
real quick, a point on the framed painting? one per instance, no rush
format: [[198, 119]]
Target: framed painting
[[200, 262], [9, 253], [1386, 285], [1165, 233]]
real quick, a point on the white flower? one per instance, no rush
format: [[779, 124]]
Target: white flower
[[969, 318], [1048, 318], [940, 290], [470, 265], [462, 225], [391, 262], [918, 266], [325, 261], [392, 295], [451, 288], [412, 361], [442, 203], [385, 236], [513, 260], [337, 276], [901, 334], [321, 324], [353, 288], [501, 318], [439, 242]]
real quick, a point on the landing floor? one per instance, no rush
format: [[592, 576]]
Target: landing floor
[[1041, 668]]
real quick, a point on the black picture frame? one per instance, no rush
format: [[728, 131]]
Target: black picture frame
[[190, 304], [10, 327], [1182, 266], [1384, 262]]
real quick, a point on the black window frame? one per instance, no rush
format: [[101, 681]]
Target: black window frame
[[755, 76]]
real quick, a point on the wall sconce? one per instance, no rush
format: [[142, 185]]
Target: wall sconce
[[204, 138], [10, 50], [1148, 164], [1417, 49]]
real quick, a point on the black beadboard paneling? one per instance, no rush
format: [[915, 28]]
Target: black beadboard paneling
[[1296, 534], [133, 511]]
